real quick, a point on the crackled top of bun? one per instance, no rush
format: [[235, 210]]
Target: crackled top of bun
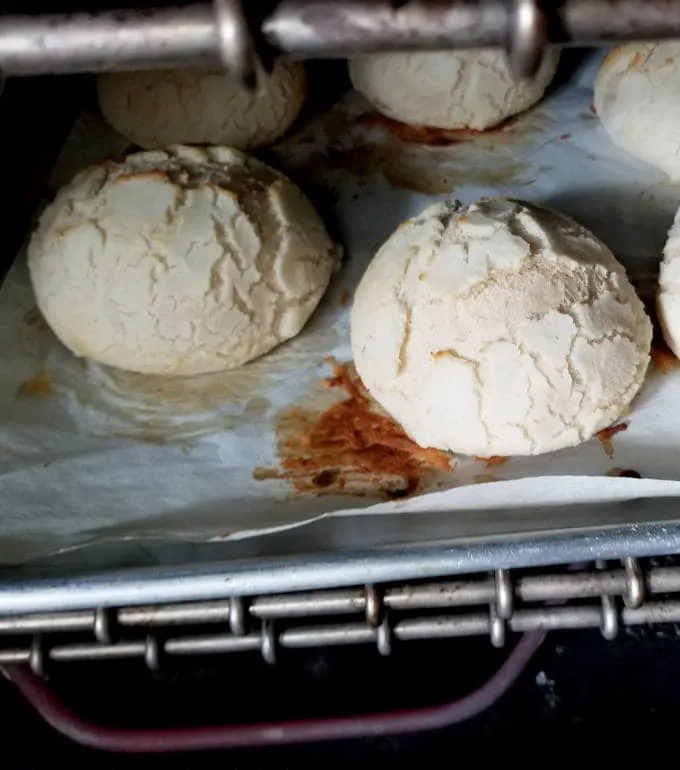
[[159, 108], [637, 98], [179, 262], [499, 329], [450, 89]]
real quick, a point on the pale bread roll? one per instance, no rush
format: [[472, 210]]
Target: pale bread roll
[[668, 297], [637, 98], [499, 329], [179, 262], [157, 109], [449, 90]]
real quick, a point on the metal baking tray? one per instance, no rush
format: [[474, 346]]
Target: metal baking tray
[[328, 553], [381, 581]]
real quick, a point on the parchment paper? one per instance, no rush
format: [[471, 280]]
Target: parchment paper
[[89, 454]]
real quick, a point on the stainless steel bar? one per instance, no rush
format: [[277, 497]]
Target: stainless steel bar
[[554, 618], [348, 633], [76, 652], [198, 34], [442, 628], [453, 593], [662, 580], [313, 28], [174, 614], [437, 595], [340, 634], [46, 623], [303, 605], [212, 645], [55, 44], [325, 28], [571, 586]]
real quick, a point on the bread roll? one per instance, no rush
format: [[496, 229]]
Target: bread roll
[[637, 98], [668, 298], [179, 262], [157, 109], [449, 90], [499, 329]]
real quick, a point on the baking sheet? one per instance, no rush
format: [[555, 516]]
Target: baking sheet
[[88, 454]]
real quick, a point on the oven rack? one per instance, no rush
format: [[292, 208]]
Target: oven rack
[[487, 604], [242, 36]]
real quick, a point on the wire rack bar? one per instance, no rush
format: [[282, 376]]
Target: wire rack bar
[[493, 605]]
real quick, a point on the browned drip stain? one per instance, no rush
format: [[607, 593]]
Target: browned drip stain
[[625, 473], [605, 437], [33, 318], [437, 173], [564, 137], [422, 159], [485, 478], [433, 137], [491, 462], [663, 358], [344, 298], [350, 447], [38, 386]]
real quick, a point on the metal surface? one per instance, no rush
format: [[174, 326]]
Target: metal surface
[[489, 604], [207, 33], [330, 554], [117, 739]]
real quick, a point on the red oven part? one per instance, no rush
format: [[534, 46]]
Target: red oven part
[[52, 709]]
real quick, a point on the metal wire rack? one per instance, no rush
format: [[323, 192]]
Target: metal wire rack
[[230, 32], [493, 604]]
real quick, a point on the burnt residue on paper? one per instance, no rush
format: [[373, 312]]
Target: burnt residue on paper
[[37, 386], [428, 135], [350, 446], [352, 139], [491, 462], [605, 437], [664, 360], [624, 473]]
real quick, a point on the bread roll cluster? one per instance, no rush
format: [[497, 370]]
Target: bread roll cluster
[[501, 328]]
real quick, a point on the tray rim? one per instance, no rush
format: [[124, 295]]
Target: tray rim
[[240, 573]]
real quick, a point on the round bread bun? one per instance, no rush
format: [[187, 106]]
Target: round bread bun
[[179, 262], [668, 297], [449, 90], [637, 98], [499, 329], [157, 109]]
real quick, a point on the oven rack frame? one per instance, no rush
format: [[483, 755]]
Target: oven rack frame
[[495, 605], [229, 33]]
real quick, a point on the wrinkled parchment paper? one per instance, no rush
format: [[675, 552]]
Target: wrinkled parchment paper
[[89, 454]]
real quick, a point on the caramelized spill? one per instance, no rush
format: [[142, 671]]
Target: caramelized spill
[[344, 298], [485, 478], [38, 386], [605, 437], [34, 319], [663, 358], [434, 137], [626, 473], [350, 447], [493, 461]]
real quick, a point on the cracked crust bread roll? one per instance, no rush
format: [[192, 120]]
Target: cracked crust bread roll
[[157, 109], [668, 296], [179, 262], [448, 90], [499, 329], [637, 98]]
